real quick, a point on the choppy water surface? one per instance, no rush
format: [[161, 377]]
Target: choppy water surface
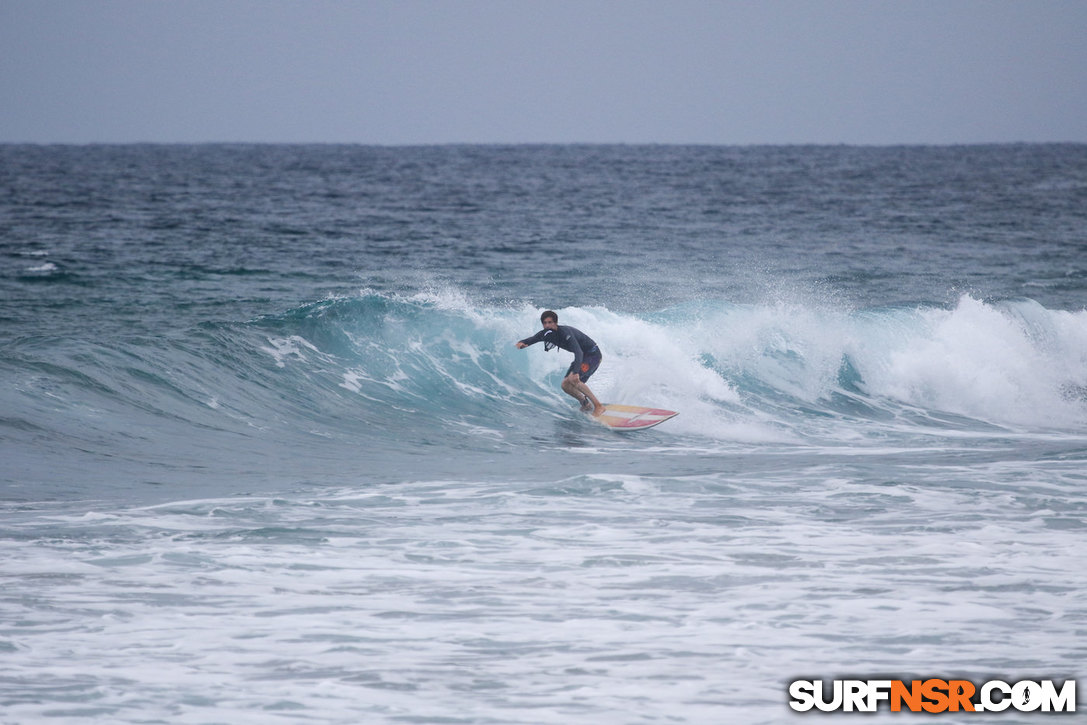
[[269, 454]]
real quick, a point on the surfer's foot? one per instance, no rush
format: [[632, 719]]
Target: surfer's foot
[[599, 411], [586, 406]]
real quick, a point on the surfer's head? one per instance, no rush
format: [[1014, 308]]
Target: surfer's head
[[549, 319]]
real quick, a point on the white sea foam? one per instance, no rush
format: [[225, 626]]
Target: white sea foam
[[599, 597], [747, 373], [284, 349], [1009, 365]]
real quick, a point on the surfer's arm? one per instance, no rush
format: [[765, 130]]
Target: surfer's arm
[[530, 340]]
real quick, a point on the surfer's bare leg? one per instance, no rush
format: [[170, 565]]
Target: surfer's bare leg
[[598, 407], [573, 387], [569, 386]]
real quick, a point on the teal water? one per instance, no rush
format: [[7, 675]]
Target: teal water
[[269, 453]]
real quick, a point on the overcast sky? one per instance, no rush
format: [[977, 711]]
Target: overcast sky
[[502, 71]]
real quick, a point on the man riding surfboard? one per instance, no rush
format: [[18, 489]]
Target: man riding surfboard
[[587, 357]]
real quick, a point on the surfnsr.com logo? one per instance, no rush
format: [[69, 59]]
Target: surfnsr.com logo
[[933, 695]]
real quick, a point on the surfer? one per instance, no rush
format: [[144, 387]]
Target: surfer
[[587, 358]]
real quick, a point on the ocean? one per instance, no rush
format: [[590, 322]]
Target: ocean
[[268, 453]]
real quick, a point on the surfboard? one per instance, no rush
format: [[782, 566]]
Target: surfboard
[[632, 417]]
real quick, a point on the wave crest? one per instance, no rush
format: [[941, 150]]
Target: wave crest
[[785, 368]]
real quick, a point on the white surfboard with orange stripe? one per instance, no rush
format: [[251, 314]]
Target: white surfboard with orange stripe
[[632, 417]]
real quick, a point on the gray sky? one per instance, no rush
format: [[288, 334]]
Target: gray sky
[[669, 71]]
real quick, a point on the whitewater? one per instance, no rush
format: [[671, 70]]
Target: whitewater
[[269, 453]]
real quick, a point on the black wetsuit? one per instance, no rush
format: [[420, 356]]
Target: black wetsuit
[[587, 354]]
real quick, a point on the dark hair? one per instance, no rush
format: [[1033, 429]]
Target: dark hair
[[549, 313]]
